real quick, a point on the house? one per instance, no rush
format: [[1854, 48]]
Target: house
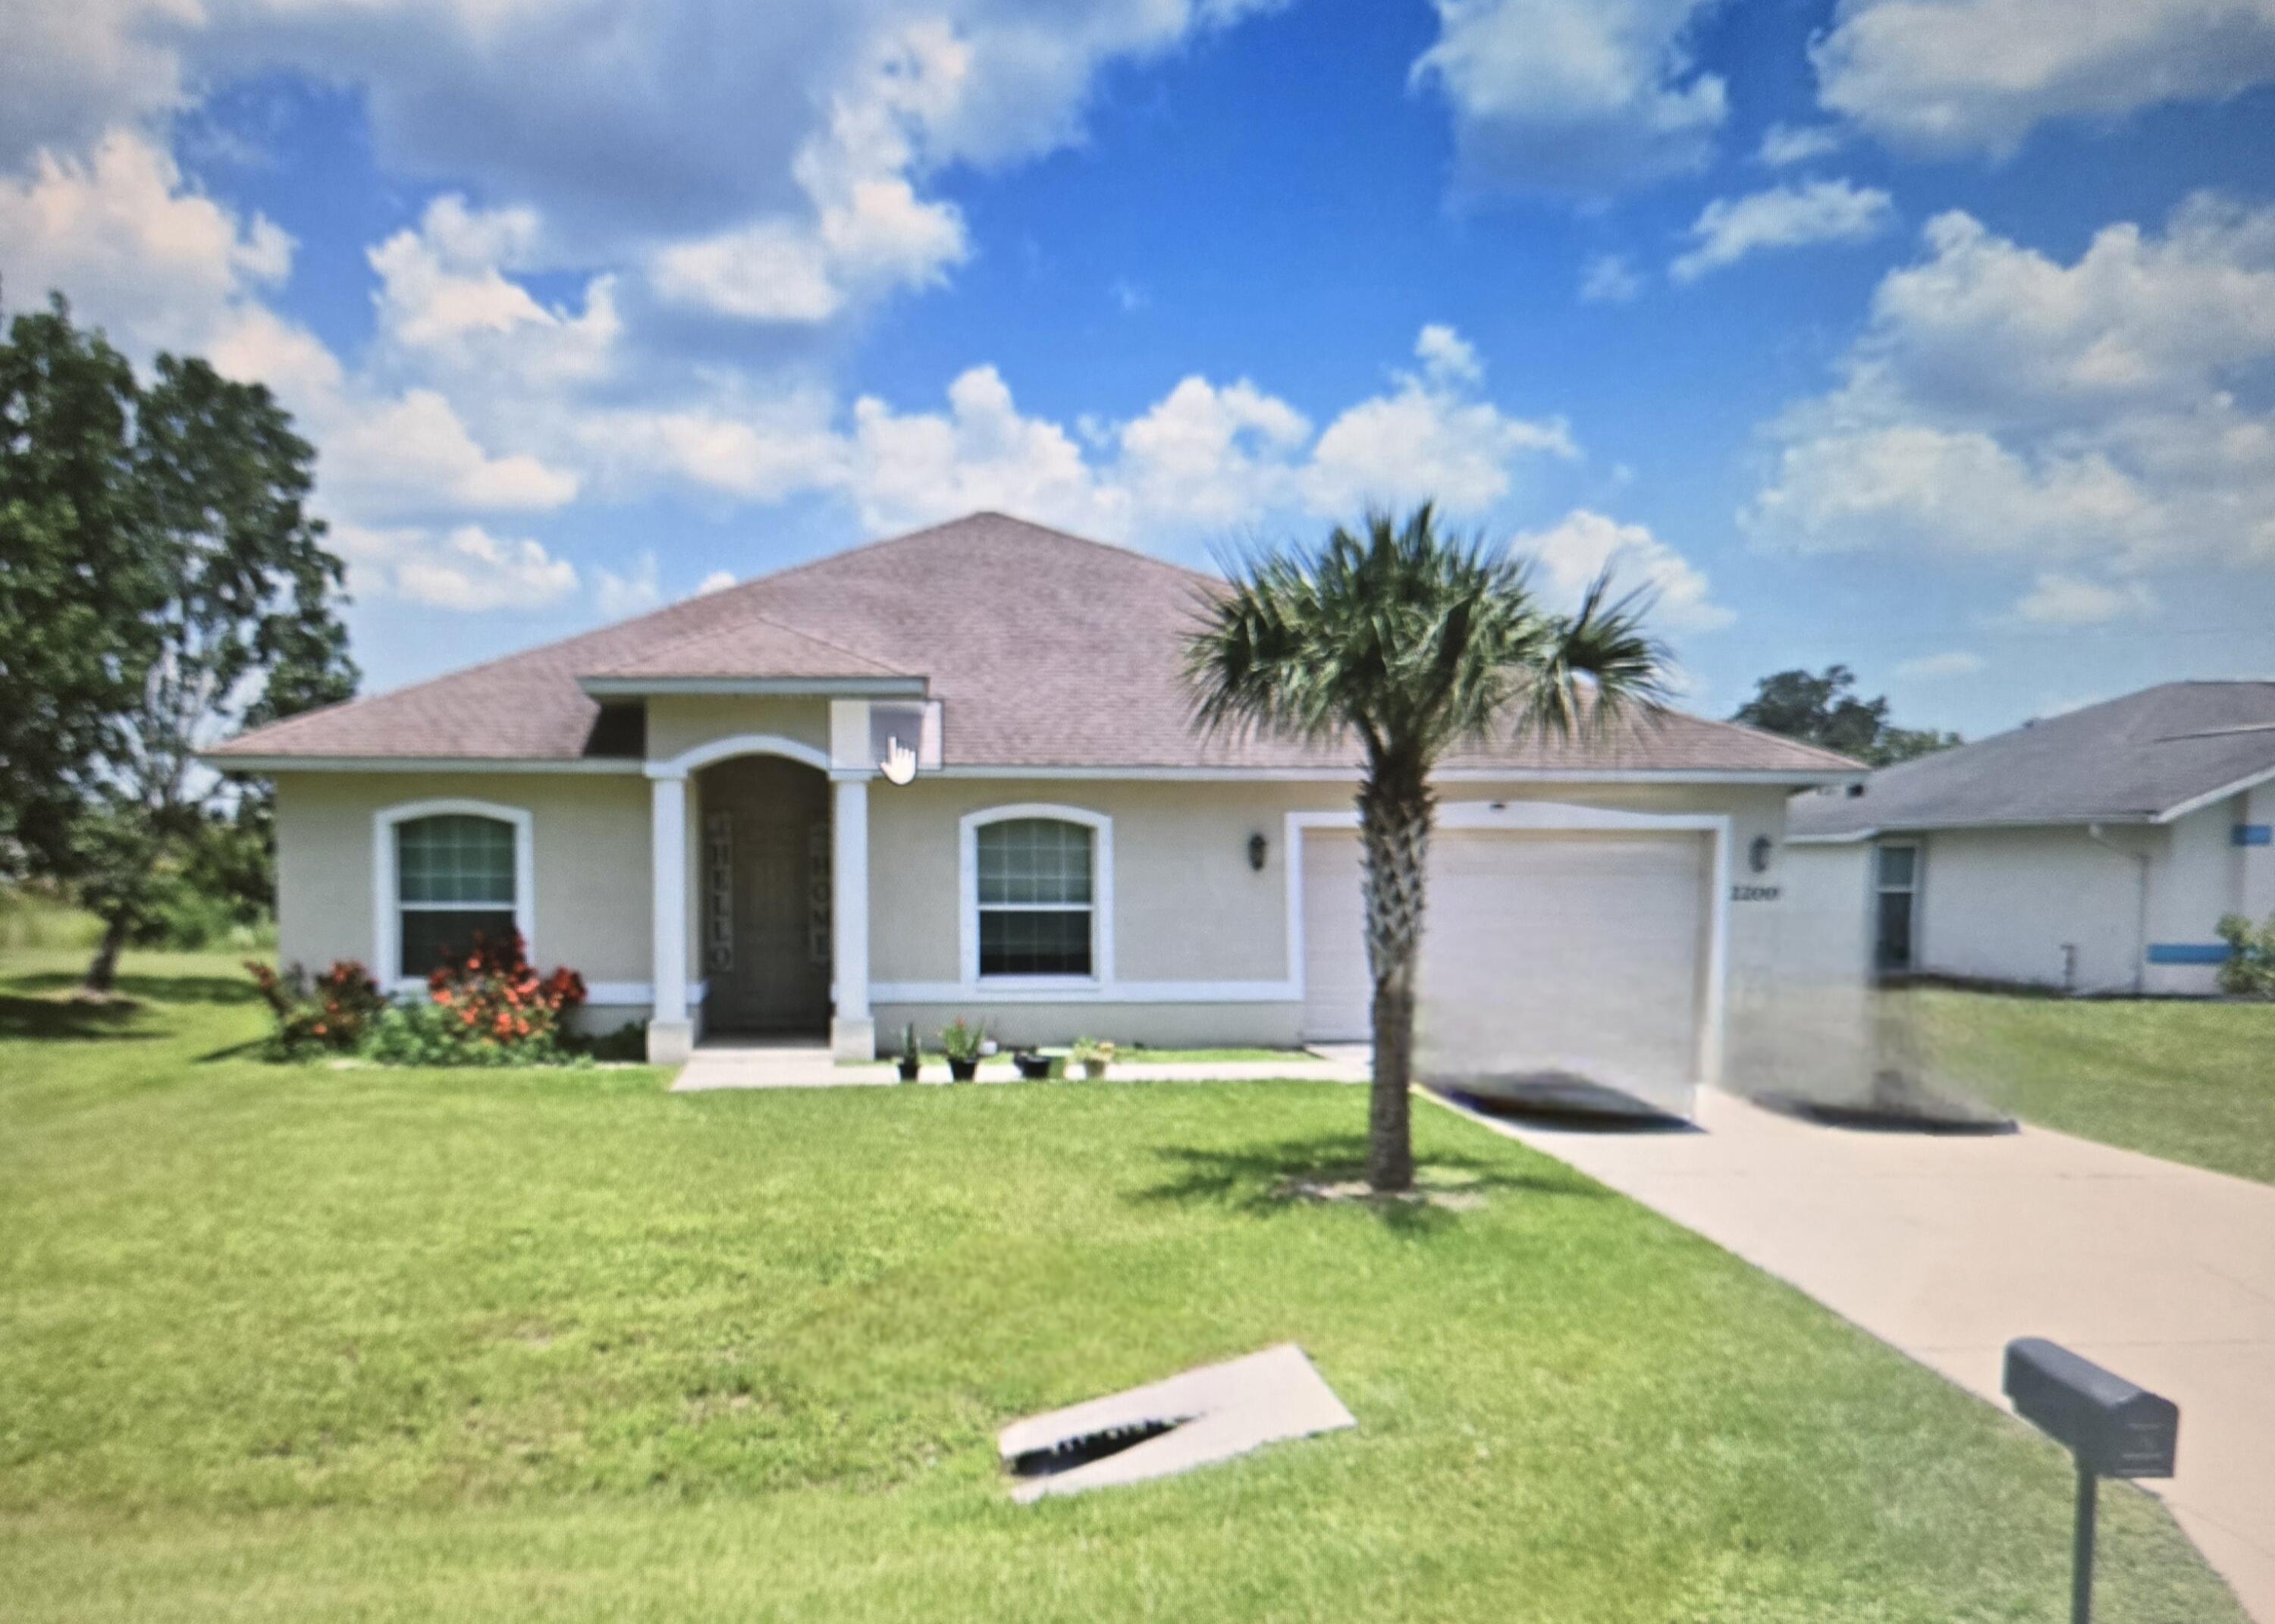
[[2094, 851], [701, 811]]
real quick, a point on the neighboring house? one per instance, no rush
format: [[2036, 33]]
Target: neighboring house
[[688, 808], [2094, 851]]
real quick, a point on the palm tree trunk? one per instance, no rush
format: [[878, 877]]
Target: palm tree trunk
[[102, 972], [1394, 817]]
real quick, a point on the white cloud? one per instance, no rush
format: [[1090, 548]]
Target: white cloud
[[1573, 94], [468, 570], [1820, 211], [2060, 600], [445, 303], [1951, 662], [718, 580], [1205, 458], [126, 237], [911, 469], [1572, 554], [1956, 75], [620, 596], [1446, 357], [1784, 145], [1609, 279], [415, 454], [2000, 400]]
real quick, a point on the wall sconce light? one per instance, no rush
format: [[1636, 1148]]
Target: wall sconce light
[[1257, 847], [1757, 855]]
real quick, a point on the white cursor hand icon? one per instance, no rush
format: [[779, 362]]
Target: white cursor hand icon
[[900, 763]]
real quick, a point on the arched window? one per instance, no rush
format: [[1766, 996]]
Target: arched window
[[1037, 897], [448, 871]]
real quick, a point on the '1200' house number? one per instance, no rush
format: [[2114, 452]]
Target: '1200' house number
[[1754, 894]]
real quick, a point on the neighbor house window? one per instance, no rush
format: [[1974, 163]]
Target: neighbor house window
[[1037, 897], [1896, 885], [455, 878]]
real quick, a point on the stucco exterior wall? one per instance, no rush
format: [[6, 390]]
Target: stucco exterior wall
[[590, 841], [2255, 896], [1189, 908], [2002, 904], [680, 722]]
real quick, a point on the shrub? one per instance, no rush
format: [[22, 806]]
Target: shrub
[[2250, 971], [484, 1006], [335, 1012]]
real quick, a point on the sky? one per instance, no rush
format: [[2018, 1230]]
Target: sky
[[1936, 337]]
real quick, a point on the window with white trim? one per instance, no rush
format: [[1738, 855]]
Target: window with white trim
[[455, 877], [1037, 897]]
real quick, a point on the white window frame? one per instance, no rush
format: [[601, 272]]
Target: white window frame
[[1101, 899], [386, 899]]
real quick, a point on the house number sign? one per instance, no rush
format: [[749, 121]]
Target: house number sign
[[1754, 894]]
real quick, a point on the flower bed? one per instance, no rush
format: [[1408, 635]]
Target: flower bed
[[484, 1006]]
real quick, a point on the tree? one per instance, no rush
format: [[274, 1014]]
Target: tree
[[210, 599], [1411, 642], [1822, 711], [76, 578]]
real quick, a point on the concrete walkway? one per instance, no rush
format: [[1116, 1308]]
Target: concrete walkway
[[1947, 1247], [731, 1064]]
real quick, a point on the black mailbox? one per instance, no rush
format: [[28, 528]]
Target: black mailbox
[[2114, 1429]]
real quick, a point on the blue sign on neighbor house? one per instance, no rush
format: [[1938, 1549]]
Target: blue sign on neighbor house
[[2189, 953], [2255, 834]]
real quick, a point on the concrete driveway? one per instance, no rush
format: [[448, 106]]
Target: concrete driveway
[[1946, 1247]]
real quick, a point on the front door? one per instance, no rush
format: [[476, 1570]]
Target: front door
[[765, 889]]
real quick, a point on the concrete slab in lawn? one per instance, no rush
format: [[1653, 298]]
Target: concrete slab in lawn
[[1949, 1246], [1207, 1414]]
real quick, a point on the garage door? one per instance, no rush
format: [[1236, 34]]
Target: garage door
[[1581, 954]]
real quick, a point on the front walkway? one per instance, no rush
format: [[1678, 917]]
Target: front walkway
[[732, 1063], [1947, 1247]]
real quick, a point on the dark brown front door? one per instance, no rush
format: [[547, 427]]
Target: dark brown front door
[[765, 890]]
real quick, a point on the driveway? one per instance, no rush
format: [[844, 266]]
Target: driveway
[[1947, 1247]]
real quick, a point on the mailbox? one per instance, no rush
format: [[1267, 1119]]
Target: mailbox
[[2114, 1429]]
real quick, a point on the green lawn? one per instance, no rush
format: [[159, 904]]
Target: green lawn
[[2191, 1081], [294, 1343]]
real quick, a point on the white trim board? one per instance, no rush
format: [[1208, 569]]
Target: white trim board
[[1100, 775], [386, 939], [627, 766]]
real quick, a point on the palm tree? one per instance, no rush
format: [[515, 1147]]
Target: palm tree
[[1412, 641]]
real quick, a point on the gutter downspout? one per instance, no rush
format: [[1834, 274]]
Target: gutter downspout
[[2141, 910]]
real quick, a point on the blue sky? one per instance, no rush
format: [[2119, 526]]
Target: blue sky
[[1932, 335]]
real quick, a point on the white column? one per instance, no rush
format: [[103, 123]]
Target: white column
[[852, 1033], [670, 1036]]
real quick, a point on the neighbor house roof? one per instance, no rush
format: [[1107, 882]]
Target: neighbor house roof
[[2147, 758], [1045, 650]]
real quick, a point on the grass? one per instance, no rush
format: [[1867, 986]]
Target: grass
[[287, 1343], [2190, 1081]]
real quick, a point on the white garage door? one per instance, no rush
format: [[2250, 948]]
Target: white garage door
[[1582, 955]]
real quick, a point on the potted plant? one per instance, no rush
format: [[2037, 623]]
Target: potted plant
[[1034, 1065], [961, 1041], [1093, 1055], [910, 1059]]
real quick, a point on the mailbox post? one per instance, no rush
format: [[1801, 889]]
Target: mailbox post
[[2112, 1429]]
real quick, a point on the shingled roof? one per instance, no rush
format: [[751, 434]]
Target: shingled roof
[[2144, 759], [1046, 650]]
